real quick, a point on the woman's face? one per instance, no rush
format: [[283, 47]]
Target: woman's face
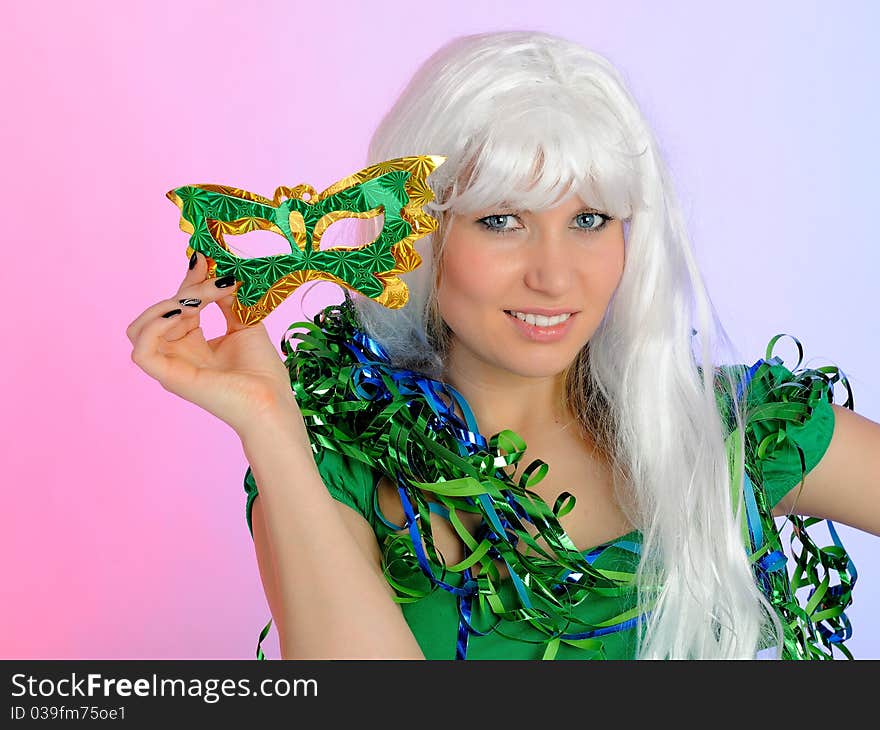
[[566, 259]]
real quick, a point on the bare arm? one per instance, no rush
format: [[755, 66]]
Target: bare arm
[[845, 485], [356, 524], [319, 561]]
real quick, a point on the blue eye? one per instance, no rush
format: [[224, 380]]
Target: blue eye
[[499, 222], [496, 222], [591, 221]]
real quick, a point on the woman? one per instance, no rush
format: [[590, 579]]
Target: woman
[[558, 301]]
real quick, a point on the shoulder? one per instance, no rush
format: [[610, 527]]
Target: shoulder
[[844, 485], [349, 480], [789, 423], [810, 455]]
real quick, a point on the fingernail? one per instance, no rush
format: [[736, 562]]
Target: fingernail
[[190, 302], [225, 281], [192, 261], [172, 313]]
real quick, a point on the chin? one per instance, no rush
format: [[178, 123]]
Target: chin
[[533, 367]]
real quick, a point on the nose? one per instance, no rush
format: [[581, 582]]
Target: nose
[[549, 265]]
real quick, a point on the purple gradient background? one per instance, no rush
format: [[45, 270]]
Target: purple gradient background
[[124, 531]]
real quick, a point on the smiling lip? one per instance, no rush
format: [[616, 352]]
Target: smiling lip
[[534, 333], [545, 312]]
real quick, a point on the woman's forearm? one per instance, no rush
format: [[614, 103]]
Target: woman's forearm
[[334, 604]]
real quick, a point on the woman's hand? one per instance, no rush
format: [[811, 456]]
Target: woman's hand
[[239, 376]]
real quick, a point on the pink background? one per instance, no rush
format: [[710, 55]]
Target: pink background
[[124, 532]]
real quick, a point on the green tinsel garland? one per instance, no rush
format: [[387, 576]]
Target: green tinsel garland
[[382, 416]]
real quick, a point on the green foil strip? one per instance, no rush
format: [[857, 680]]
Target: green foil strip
[[400, 439], [789, 399]]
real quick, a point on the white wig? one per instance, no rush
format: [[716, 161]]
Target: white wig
[[529, 118]]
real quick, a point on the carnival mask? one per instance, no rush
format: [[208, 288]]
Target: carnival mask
[[396, 189]]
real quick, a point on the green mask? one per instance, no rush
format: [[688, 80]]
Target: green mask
[[395, 188]]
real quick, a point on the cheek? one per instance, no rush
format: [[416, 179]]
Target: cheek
[[605, 270], [464, 285]]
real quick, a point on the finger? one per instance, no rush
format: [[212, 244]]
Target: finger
[[193, 298], [157, 310], [147, 352], [218, 290], [197, 272], [185, 322], [233, 323]]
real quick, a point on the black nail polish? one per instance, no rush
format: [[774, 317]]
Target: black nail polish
[[190, 302], [225, 281], [172, 313], [192, 261]]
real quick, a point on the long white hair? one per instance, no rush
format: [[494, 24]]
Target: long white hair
[[529, 118]]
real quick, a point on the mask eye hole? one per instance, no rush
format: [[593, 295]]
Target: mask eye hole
[[350, 232], [256, 244]]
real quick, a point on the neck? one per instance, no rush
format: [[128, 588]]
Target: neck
[[533, 407]]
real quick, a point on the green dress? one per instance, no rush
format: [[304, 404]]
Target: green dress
[[777, 401]]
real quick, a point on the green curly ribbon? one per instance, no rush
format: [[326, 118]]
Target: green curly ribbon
[[401, 438], [788, 400]]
